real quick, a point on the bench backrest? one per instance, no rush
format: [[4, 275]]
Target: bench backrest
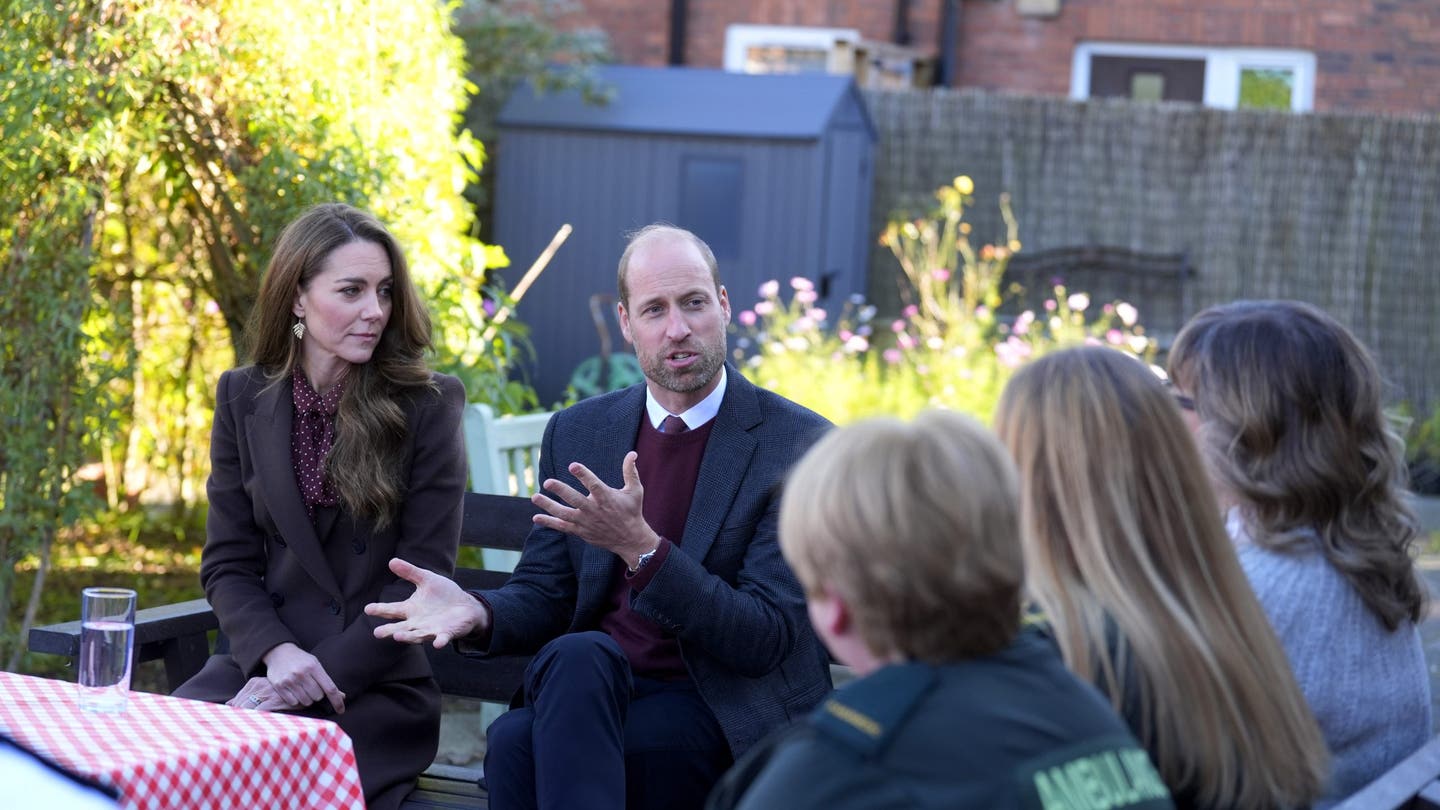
[[503, 451], [491, 522]]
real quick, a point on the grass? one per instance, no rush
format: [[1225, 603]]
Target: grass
[[161, 563]]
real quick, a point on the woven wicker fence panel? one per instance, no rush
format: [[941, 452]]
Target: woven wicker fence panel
[[1342, 211]]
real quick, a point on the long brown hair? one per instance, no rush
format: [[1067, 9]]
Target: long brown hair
[[1293, 428], [366, 462], [1127, 555]]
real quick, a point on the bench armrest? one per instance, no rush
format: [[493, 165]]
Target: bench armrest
[[173, 633]]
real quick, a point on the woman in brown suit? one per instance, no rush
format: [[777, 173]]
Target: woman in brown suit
[[336, 451]]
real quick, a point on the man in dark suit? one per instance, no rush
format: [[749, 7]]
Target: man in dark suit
[[671, 633]]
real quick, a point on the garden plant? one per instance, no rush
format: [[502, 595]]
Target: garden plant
[[951, 346]]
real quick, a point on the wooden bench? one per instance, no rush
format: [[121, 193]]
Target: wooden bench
[[1414, 784], [503, 452], [1155, 283], [179, 635]]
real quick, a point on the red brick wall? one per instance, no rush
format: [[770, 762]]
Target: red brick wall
[[1372, 55]]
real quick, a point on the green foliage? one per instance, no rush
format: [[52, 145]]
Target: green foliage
[[52, 393], [153, 151], [1422, 446], [511, 41], [949, 347]]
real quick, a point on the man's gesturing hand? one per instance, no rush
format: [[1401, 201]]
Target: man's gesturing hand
[[439, 610], [608, 518]]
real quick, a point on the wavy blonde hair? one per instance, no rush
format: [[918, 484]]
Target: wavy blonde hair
[[1293, 429], [916, 526], [366, 463], [1128, 557]]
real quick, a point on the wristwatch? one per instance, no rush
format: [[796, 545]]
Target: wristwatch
[[645, 558]]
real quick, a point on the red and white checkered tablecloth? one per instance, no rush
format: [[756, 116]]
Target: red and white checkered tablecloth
[[165, 752]]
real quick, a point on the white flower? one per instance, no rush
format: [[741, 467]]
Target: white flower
[[1127, 312], [1078, 302]]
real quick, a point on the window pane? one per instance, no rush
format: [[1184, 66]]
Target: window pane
[[1177, 79], [1266, 88], [785, 59], [1147, 86]]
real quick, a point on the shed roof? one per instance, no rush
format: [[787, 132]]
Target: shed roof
[[691, 101]]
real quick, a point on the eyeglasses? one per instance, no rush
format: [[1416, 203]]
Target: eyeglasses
[[1185, 403]]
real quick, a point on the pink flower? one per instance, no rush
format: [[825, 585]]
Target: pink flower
[[910, 311], [764, 308], [845, 335], [1114, 338], [1050, 304], [747, 317], [770, 289], [802, 283], [857, 344], [1012, 352], [806, 296], [906, 341], [893, 356], [897, 326], [940, 274], [817, 314]]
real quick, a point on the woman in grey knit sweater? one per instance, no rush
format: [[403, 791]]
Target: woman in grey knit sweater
[[1286, 406]]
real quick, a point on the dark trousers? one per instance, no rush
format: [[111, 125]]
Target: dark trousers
[[591, 735]]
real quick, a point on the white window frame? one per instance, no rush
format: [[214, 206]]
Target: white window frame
[[1222, 69], [740, 38]]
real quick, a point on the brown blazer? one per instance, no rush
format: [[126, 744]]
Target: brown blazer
[[272, 576]]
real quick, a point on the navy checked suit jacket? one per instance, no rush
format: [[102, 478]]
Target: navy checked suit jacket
[[725, 593]]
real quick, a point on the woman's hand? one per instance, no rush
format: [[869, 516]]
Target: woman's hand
[[258, 694], [299, 680]]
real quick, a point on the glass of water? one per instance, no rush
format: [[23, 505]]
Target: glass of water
[[107, 645]]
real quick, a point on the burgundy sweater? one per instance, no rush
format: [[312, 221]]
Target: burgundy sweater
[[668, 464]]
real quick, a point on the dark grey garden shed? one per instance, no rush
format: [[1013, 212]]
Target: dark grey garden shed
[[772, 171]]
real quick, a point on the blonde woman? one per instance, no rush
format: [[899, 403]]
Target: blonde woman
[[1287, 408], [1128, 560]]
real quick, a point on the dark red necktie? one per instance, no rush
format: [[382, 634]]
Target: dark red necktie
[[673, 424]]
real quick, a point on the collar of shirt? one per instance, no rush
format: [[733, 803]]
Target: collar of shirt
[[700, 413], [307, 400]]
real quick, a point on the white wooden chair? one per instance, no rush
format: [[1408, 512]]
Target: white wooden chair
[[504, 456]]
